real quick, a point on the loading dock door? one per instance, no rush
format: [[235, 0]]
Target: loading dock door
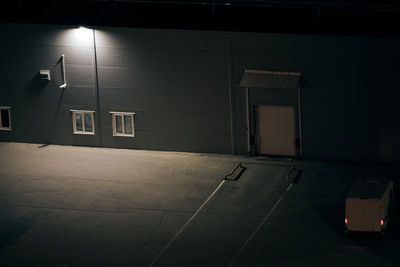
[[275, 130]]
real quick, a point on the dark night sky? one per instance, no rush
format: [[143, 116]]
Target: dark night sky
[[362, 17]]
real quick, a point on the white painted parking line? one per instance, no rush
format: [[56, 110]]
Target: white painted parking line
[[259, 226], [186, 224], [290, 186]]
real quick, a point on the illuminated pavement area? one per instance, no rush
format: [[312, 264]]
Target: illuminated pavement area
[[80, 206]]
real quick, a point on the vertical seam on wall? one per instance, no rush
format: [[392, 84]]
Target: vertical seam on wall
[[233, 141], [300, 122], [96, 81]]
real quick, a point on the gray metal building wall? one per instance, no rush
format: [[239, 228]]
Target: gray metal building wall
[[349, 91], [41, 110], [175, 81], [180, 85]]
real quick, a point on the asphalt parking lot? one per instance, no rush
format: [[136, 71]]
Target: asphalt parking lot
[[81, 206]]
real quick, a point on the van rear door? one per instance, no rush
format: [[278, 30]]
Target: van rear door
[[372, 215], [355, 214]]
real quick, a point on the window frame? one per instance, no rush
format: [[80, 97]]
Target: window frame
[[83, 131], [114, 114], [9, 119]]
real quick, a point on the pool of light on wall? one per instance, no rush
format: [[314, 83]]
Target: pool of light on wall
[[83, 35]]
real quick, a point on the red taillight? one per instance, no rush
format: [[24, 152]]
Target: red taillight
[[382, 222], [345, 220]]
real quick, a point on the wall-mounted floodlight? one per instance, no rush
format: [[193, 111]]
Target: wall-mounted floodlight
[[63, 71], [83, 34], [44, 75]]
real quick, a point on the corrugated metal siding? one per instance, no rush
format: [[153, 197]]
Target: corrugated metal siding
[[40, 109], [176, 85], [340, 89]]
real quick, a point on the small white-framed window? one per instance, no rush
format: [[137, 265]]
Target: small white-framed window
[[123, 124], [83, 121], [5, 118]]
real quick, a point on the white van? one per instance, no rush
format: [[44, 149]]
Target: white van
[[368, 205]]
